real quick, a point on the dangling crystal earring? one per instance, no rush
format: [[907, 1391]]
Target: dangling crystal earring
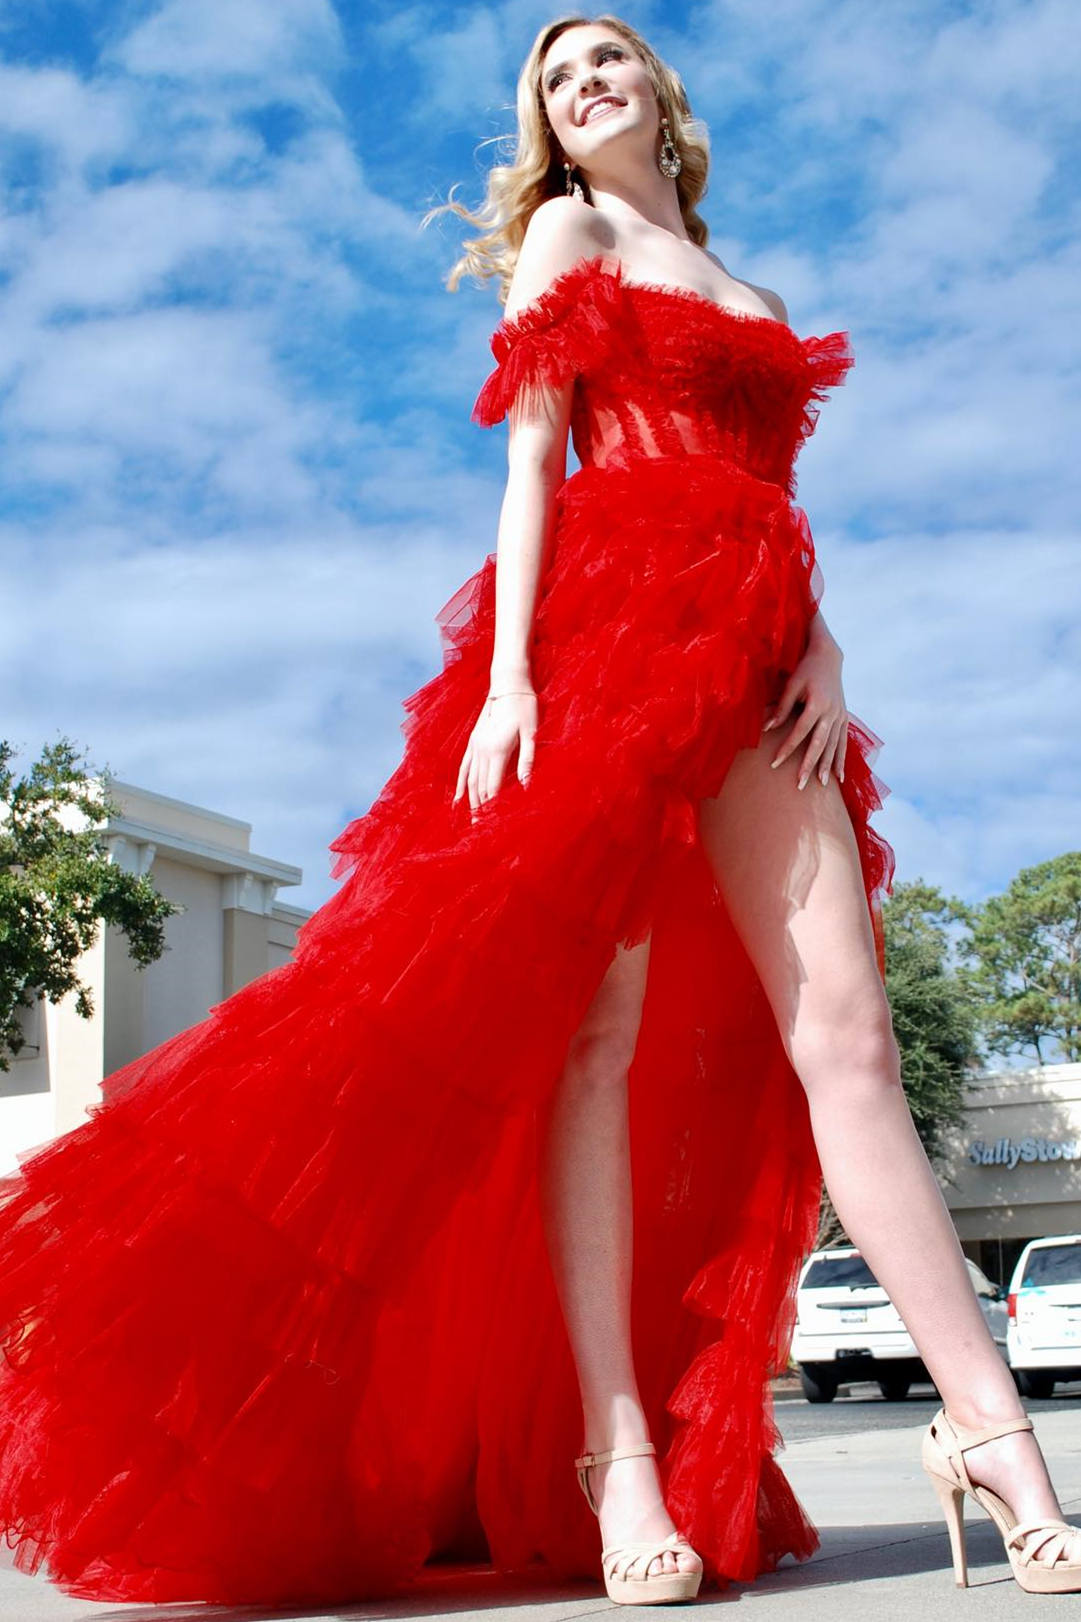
[[669, 162], [574, 190]]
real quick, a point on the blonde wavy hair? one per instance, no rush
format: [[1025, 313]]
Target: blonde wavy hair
[[517, 189]]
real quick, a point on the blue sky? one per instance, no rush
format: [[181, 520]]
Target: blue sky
[[239, 477]]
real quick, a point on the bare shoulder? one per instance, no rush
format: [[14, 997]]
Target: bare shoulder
[[772, 300], [560, 232]]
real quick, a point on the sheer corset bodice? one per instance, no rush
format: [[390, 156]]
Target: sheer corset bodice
[[663, 371]]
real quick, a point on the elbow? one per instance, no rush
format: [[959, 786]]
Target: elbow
[[542, 466], [537, 447]]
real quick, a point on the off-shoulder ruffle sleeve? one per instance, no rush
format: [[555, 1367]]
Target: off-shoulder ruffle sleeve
[[828, 362], [565, 331]]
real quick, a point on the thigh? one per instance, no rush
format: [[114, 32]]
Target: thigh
[[787, 864]]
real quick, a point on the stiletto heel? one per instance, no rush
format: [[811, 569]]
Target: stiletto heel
[[952, 1500], [944, 1445], [623, 1587]]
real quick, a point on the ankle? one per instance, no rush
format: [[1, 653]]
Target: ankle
[[609, 1443], [973, 1414], [621, 1424]]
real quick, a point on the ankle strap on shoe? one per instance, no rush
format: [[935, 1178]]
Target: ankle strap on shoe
[[629, 1452], [988, 1433]]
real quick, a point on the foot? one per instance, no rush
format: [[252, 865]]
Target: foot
[[1013, 1467], [631, 1507]]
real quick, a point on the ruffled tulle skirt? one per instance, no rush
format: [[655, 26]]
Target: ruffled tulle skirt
[[278, 1319]]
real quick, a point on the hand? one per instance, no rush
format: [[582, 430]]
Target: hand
[[504, 722], [823, 720]]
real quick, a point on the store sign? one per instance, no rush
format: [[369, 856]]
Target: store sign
[[1008, 1151]]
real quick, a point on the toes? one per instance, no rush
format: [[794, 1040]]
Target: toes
[[669, 1562], [678, 1560]]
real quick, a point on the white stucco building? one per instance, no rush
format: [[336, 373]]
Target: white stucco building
[[232, 929]]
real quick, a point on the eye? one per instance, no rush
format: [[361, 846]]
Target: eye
[[603, 53]]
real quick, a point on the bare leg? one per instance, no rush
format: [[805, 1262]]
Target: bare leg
[[788, 866], [585, 1188]]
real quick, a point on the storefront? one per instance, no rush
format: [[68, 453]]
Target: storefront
[[1014, 1166]]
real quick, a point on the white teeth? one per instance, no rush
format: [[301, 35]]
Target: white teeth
[[601, 106]]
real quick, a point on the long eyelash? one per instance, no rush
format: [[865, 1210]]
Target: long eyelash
[[618, 49]]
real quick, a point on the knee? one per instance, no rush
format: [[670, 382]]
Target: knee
[[855, 1052], [600, 1056]]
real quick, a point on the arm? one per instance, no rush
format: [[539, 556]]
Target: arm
[[559, 233], [816, 683], [820, 634], [823, 720], [536, 468]]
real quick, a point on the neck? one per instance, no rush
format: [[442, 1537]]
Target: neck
[[643, 200]]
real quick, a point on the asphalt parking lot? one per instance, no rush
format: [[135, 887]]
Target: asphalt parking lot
[[860, 1405]]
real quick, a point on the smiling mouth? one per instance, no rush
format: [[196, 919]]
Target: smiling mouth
[[598, 109]]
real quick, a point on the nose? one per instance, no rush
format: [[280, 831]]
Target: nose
[[590, 84]]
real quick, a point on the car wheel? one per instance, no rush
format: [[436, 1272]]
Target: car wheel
[[819, 1385], [1035, 1382], [894, 1387]]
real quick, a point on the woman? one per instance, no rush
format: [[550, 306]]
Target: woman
[[311, 1296], [789, 870]]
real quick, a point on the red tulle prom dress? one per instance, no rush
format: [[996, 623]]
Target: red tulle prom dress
[[278, 1319]]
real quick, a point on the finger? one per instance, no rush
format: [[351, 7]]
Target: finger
[[842, 750], [497, 768], [463, 773], [789, 694], [829, 755], [826, 747], [525, 758], [813, 750], [474, 785], [804, 723], [493, 776], [816, 745]]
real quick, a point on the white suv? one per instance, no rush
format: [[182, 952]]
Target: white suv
[[1044, 1336], [847, 1328]]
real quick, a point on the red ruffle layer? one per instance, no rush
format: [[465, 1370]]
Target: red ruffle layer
[[278, 1317]]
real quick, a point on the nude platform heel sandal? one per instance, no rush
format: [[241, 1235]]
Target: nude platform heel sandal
[[617, 1561], [944, 1444]]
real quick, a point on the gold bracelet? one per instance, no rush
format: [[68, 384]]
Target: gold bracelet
[[514, 692]]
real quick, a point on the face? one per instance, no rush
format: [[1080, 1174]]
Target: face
[[597, 92]]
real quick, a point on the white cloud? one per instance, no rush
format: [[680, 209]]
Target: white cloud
[[234, 402], [81, 122], [180, 667], [233, 39]]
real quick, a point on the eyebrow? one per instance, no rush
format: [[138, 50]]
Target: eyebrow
[[550, 73]]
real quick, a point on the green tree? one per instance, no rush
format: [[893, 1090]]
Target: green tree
[[934, 1020], [1026, 962], [57, 886], [931, 1003]]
